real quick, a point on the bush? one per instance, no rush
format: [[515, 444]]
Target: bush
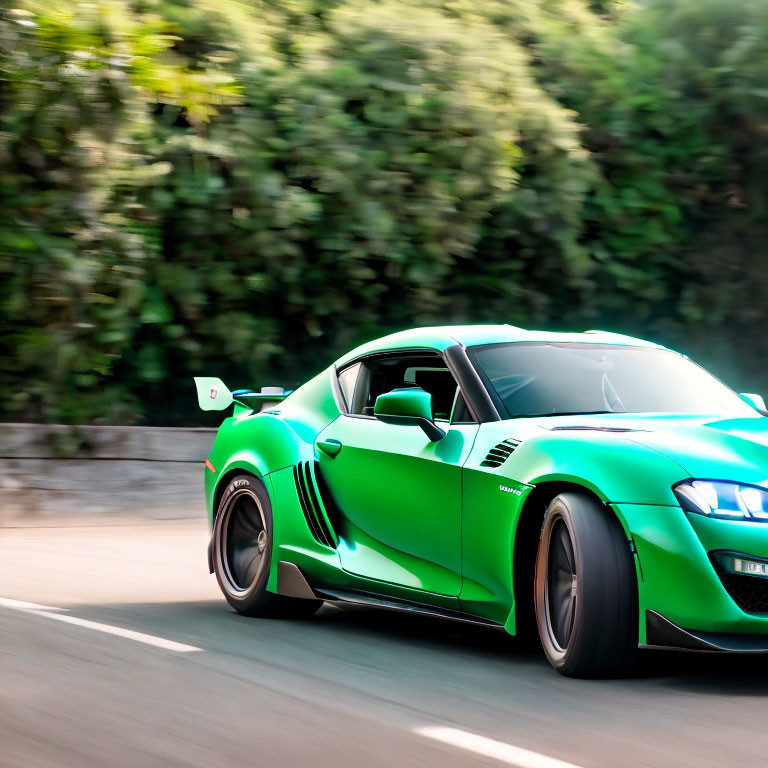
[[246, 192]]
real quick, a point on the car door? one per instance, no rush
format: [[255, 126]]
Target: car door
[[398, 494]]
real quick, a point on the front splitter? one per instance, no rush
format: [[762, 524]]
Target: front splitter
[[662, 633]]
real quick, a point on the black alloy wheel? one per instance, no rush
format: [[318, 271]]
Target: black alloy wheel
[[585, 589], [242, 552], [244, 542], [561, 585]]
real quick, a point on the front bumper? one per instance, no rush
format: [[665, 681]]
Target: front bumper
[[682, 600]]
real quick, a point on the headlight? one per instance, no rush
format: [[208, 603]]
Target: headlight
[[716, 498]]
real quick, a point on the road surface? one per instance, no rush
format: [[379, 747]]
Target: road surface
[[116, 649]]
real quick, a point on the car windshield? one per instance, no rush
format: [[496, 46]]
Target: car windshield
[[562, 379]]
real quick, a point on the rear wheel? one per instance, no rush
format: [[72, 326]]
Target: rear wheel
[[585, 590], [242, 552]]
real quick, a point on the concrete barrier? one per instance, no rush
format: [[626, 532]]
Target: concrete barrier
[[57, 475]]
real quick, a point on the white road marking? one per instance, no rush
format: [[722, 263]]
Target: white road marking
[[140, 637], [6, 602], [498, 750], [159, 642]]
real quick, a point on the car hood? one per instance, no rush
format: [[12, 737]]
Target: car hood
[[708, 447]]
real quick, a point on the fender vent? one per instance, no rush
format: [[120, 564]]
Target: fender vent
[[500, 453], [312, 506]]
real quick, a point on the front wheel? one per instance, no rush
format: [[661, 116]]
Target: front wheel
[[242, 552], [585, 590]]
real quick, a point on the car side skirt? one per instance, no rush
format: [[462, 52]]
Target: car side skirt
[[395, 604]]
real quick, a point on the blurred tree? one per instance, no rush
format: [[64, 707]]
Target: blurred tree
[[210, 185], [77, 86], [711, 59], [674, 106], [352, 190]]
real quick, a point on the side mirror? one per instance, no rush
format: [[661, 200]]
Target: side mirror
[[756, 401], [409, 406]]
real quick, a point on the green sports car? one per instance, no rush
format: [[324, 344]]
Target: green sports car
[[600, 491]]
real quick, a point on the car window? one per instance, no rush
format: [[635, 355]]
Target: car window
[[383, 374], [567, 378], [347, 381]]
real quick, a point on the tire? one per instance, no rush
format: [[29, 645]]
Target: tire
[[585, 590], [242, 552]]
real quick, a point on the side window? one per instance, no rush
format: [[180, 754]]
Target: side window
[[439, 383], [383, 374], [347, 381]]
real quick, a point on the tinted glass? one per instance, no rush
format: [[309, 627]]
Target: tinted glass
[[548, 379], [383, 374]]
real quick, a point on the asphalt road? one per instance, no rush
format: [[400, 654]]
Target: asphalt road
[[349, 687]]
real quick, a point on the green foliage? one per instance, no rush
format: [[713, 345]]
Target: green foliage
[[198, 186], [77, 87]]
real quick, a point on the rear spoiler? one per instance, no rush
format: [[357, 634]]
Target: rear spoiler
[[214, 395]]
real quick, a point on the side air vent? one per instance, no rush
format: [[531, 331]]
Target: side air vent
[[500, 453], [312, 505]]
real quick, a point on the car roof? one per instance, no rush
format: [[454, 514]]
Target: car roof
[[440, 337]]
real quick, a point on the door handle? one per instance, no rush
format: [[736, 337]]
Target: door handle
[[330, 447]]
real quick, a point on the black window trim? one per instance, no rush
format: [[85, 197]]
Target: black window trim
[[338, 396], [479, 402]]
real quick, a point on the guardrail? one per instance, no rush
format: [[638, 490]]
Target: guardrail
[[56, 475]]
